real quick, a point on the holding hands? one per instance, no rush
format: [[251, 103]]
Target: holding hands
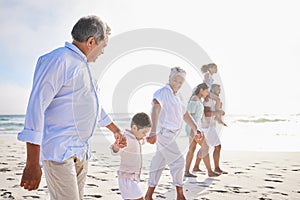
[[121, 141], [152, 138], [199, 137]]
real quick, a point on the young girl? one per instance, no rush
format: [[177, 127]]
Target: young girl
[[131, 157], [208, 70]]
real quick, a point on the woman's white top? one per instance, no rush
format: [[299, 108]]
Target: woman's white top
[[172, 109]]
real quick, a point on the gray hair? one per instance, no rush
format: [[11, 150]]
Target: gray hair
[[90, 26], [177, 71]]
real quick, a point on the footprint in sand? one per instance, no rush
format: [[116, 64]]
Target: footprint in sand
[[98, 196], [273, 180], [275, 175], [5, 169], [91, 176], [219, 191], [31, 197], [7, 195], [281, 193], [269, 187], [264, 198], [237, 189], [161, 196], [92, 185], [95, 165], [295, 170], [204, 198], [96, 178], [239, 172]]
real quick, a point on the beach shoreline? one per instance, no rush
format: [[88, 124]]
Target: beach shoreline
[[252, 175]]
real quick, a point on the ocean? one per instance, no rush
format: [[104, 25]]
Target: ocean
[[244, 133]]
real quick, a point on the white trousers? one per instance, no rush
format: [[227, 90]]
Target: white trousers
[[66, 179], [167, 153]]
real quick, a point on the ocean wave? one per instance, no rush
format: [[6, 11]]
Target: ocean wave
[[11, 124], [261, 120]]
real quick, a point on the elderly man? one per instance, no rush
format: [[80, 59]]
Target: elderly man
[[63, 111]]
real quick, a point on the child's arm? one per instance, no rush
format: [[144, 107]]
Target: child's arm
[[116, 147]]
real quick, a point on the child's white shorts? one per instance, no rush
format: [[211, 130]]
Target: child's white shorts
[[129, 188]]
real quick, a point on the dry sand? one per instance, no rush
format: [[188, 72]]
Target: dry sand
[[252, 175]]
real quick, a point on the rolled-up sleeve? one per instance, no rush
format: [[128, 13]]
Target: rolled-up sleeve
[[48, 79], [103, 119], [158, 95], [31, 136]]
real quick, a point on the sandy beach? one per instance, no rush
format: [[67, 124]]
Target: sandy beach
[[252, 175]]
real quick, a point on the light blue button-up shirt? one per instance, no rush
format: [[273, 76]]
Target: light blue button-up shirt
[[63, 108]]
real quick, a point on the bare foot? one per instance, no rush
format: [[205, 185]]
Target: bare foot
[[148, 198], [149, 193], [213, 174], [181, 197], [198, 170], [220, 171], [188, 174]]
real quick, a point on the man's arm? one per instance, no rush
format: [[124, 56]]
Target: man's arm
[[209, 113], [120, 138], [46, 83], [32, 172]]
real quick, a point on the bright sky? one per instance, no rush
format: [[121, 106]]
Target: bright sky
[[256, 44]]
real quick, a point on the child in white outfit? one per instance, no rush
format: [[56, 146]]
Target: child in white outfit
[[131, 157]]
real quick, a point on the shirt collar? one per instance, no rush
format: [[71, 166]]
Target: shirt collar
[[76, 50], [169, 87]]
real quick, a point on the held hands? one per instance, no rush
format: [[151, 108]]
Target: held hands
[[152, 138], [121, 141], [199, 137]]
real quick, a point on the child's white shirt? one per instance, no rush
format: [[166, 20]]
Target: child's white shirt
[[131, 157]]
